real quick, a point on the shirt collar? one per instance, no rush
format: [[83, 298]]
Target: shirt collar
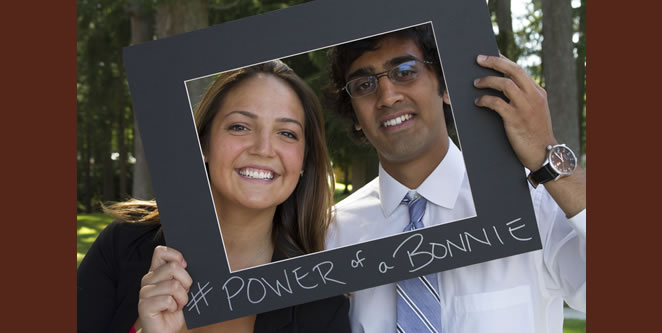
[[441, 187]]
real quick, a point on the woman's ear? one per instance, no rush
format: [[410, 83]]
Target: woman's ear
[[357, 126], [447, 99]]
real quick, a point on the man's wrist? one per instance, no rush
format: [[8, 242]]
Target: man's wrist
[[569, 192]]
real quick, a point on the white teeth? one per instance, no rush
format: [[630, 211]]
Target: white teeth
[[397, 121], [256, 174]]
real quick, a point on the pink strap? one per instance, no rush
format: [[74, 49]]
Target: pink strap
[[132, 330]]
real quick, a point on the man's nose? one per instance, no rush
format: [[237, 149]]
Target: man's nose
[[387, 92]]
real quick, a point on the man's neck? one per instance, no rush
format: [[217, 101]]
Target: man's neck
[[411, 173]]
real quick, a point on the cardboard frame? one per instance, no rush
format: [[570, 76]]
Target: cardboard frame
[[505, 224]]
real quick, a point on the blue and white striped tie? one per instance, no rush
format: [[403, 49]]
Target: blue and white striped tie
[[419, 307]]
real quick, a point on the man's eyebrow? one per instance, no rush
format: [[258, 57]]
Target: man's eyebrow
[[363, 71], [398, 60], [369, 70]]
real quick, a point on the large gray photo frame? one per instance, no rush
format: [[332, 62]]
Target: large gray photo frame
[[505, 224]]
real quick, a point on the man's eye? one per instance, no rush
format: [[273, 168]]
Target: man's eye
[[363, 85], [405, 72]]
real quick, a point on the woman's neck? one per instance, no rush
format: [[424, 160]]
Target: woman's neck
[[247, 235]]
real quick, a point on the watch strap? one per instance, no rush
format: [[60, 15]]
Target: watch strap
[[542, 175]]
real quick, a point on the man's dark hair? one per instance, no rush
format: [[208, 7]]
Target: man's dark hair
[[342, 56]]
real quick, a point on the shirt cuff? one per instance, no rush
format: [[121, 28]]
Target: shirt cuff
[[578, 222]]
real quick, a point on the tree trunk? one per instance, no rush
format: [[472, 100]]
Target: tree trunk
[[142, 183], [108, 168], [581, 75], [559, 70], [121, 140], [180, 16], [365, 167], [171, 18], [142, 30], [346, 180], [506, 37], [87, 156], [197, 89], [358, 173], [372, 161]]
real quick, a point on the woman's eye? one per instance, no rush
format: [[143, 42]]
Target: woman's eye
[[237, 128], [289, 135]]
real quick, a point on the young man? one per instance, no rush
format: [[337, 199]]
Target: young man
[[392, 88]]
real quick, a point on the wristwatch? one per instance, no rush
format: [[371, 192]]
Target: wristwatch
[[560, 162]]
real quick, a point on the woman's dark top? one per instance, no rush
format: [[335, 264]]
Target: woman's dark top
[[109, 284]]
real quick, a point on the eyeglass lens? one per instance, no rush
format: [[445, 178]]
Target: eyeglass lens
[[402, 73]]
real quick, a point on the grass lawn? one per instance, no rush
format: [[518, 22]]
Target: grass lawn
[[89, 226], [574, 326], [338, 192]]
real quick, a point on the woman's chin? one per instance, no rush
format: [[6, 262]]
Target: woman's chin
[[259, 202], [250, 198]]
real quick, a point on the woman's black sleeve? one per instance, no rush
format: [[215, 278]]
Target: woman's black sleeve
[[97, 284]]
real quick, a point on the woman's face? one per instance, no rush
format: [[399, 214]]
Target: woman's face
[[256, 144]]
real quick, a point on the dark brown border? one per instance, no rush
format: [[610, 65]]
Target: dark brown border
[[623, 89], [38, 165]]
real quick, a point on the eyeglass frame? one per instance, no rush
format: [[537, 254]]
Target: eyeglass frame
[[384, 73]]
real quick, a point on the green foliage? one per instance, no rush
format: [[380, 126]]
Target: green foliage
[[221, 11], [529, 39], [102, 96], [579, 16], [339, 194], [505, 37]]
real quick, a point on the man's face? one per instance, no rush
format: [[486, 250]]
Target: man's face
[[404, 122]]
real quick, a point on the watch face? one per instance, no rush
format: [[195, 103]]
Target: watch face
[[562, 160]]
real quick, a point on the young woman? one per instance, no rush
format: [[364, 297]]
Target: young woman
[[262, 137]]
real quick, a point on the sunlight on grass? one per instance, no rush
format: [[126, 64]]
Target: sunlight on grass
[[86, 231], [341, 187], [89, 227], [574, 326], [89, 239]]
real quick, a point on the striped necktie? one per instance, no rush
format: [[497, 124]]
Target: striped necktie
[[419, 307]]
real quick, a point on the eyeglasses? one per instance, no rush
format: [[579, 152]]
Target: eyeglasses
[[400, 74]]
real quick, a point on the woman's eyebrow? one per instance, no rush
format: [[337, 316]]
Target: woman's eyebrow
[[255, 116], [244, 113], [289, 120]]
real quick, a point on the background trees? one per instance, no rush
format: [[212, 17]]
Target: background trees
[[546, 37]]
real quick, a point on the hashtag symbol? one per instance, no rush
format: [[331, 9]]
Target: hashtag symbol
[[197, 297]]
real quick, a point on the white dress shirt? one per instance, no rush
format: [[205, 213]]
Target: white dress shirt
[[521, 293]]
